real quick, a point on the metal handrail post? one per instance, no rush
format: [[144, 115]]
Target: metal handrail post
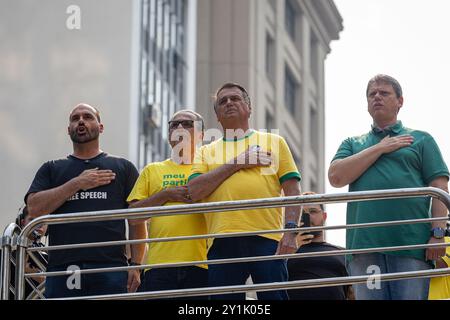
[[7, 246], [20, 268], [5, 270]]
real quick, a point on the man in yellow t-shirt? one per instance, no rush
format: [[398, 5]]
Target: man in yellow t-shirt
[[164, 183], [245, 164], [440, 286]]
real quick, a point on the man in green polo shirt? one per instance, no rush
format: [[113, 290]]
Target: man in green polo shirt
[[391, 156]]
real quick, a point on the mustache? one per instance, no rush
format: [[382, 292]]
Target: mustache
[[88, 135]]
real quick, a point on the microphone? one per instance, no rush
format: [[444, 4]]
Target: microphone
[[86, 161]]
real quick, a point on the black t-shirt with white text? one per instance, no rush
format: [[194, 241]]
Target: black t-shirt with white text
[[317, 268], [112, 196]]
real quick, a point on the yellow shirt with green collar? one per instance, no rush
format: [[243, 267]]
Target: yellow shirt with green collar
[[253, 183], [440, 286], [153, 179]]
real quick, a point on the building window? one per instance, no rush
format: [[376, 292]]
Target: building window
[[163, 70], [298, 162], [273, 4], [313, 186], [290, 18], [270, 121], [290, 90], [314, 60], [314, 129], [270, 57]]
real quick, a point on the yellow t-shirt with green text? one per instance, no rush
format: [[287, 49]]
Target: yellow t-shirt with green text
[[440, 286], [153, 179], [253, 183]]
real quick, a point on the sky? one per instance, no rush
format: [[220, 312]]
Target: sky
[[407, 39]]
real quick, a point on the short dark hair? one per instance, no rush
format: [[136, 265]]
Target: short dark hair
[[23, 213], [310, 193], [387, 79], [232, 85], [198, 116]]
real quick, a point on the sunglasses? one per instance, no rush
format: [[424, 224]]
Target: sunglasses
[[187, 124], [314, 211]]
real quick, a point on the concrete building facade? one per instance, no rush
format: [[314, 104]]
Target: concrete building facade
[[57, 53], [141, 60], [276, 49]]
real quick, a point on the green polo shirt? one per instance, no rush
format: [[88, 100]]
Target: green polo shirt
[[410, 167]]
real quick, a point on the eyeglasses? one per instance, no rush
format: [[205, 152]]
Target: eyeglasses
[[312, 211], [186, 124]]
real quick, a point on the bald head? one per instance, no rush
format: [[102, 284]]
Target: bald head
[[84, 124], [86, 106]]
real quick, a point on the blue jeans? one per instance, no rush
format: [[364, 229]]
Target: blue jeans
[[89, 284], [176, 278], [237, 273], [412, 289]]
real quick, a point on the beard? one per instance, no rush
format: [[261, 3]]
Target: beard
[[88, 136]]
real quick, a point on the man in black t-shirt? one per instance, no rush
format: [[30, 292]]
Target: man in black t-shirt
[[87, 180], [317, 267]]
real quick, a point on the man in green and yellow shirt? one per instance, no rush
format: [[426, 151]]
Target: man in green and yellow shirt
[[245, 164], [165, 183]]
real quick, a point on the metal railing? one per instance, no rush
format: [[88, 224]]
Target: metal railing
[[8, 248], [142, 213], [8, 245]]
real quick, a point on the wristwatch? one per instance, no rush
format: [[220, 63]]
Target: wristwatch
[[291, 225], [438, 233]]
